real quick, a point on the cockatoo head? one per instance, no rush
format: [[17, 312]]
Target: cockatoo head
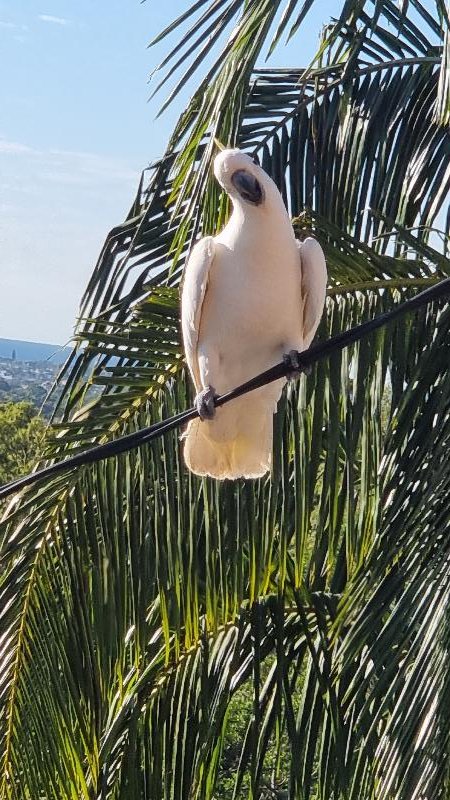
[[244, 181]]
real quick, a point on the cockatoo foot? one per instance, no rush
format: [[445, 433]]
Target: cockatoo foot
[[291, 360], [204, 403]]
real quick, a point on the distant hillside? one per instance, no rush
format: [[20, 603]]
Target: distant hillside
[[33, 351]]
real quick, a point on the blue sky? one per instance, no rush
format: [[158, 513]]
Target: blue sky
[[76, 130]]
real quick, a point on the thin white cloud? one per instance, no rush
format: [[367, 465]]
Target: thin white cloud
[[54, 20], [12, 26], [15, 148], [71, 166]]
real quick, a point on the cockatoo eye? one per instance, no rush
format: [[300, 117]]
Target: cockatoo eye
[[248, 186]]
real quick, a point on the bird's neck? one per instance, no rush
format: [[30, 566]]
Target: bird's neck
[[268, 222]]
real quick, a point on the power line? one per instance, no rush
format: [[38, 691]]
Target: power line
[[305, 359]]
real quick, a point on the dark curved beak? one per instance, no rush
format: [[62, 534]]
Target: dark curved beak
[[248, 186]]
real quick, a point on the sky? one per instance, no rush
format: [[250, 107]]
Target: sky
[[76, 130]]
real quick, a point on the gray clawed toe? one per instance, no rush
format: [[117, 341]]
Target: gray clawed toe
[[292, 361], [204, 403]]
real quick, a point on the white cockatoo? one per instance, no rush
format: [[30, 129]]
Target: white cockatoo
[[251, 296]]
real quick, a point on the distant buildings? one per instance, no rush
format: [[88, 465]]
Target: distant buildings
[[27, 380]]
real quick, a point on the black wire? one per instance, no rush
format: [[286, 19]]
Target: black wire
[[305, 359]]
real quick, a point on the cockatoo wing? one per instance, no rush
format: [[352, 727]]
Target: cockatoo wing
[[192, 296], [314, 286]]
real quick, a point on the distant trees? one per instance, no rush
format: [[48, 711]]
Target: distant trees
[[21, 438]]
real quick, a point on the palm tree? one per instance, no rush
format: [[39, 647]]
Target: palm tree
[[142, 607]]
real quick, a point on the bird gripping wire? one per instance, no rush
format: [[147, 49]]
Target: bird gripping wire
[[305, 359]]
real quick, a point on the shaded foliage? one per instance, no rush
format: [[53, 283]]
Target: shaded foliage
[[21, 439]]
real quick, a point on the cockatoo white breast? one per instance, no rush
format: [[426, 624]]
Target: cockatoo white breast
[[250, 295]]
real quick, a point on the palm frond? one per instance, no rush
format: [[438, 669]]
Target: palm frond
[[359, 39]]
